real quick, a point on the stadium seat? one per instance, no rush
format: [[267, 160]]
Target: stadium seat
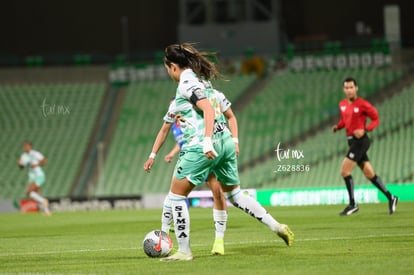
[[391, 152], [58, 119], [293, 103]]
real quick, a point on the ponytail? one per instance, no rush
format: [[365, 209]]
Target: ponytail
[[186, 56]]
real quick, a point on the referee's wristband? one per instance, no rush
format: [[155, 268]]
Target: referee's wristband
[[152, 155], [236, 140]]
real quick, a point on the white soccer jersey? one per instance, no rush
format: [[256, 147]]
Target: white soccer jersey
[[190, 89], [224, 102], [33, 157]]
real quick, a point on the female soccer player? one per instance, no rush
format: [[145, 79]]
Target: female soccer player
[[33, 160], [208, 146], [220, 205], [354, 112]]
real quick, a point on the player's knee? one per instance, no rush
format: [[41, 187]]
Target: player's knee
[[30, 188], [347, 167], [367, 170], [369, 174], [345, 172], [217, 193]]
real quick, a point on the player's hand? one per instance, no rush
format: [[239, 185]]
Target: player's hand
[[208, 148], [237, 149], [148, 164], [334, 128], [168, 158], [359, 133], [210, 155]]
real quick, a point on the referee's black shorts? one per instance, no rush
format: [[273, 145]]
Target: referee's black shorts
[[358, 148]]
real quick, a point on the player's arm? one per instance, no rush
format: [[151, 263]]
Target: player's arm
[[372, 113], [42, 160], [159, 141], [195, 94], [339, 125], [232, 120], [172, 153], [20, 164], [208, 111], [209, 116]]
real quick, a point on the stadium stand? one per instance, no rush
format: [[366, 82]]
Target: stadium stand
[[140, 119], [58, 119], [295, 102], [234, 86], [284, 109], [392, 156]]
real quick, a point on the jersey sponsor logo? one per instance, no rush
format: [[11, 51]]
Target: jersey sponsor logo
[[356, 110], [192, 88], [343, 108], [219, 127]]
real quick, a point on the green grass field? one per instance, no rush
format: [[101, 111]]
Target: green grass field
[[370, 242]]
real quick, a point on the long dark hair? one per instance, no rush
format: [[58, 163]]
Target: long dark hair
[[186, 56]]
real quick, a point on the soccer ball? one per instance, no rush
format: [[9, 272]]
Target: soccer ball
[[157, 243]]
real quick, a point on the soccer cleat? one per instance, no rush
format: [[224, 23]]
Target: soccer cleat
[[286, 234], [392, 204], [350, 209], [218, 247], [178, 256]]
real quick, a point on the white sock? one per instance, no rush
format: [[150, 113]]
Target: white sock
[[167, 216], [253, 208], [36, 197], [181, 218], [220, 221]]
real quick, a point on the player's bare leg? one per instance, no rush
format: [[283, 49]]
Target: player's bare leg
[[347, 167], [33, 191], [367, 169]]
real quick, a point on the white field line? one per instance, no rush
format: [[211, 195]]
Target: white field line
[[227, 244]]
